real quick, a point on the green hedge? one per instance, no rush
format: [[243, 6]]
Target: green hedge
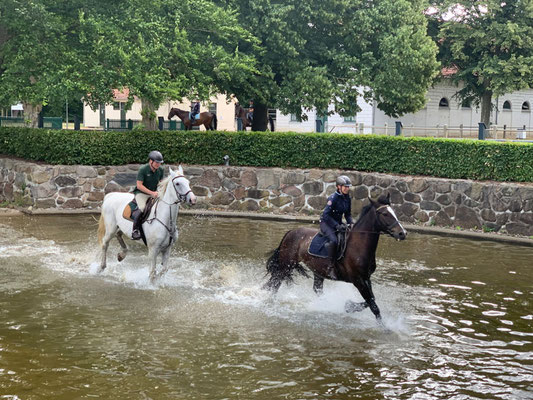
[[469, 159]]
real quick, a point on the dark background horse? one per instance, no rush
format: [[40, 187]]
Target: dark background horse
[[241, 113], [207, 119], [358, 263]]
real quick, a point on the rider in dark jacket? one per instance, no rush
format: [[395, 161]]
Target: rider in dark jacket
[[339, 204], [195, 109]]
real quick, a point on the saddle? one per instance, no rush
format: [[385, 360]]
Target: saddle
[[317, 247], [132, 206]]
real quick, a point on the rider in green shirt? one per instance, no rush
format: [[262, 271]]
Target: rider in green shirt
[[148, 178]]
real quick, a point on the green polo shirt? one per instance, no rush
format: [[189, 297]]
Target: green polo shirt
[[149, 178]]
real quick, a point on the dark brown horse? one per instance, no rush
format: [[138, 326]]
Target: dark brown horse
[[358, 263], [207, 119], [241, 113]]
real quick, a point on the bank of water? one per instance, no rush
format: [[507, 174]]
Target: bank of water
[[459, 312]]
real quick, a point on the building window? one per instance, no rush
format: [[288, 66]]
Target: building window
[[466, 103], [293, 118], [444, 103], [213, 108], [349, 119], [525, 106], [507, 105], [116, 105]]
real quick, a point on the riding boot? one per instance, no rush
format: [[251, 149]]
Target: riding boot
[[332, 254], [136, 234]]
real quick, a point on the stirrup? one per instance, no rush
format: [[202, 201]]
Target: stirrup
[[136, 235]]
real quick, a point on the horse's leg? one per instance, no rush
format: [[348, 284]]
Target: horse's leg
[[109, 233], [152, 255], [164, 262], [318, 284], [365, 288], [122, 255]]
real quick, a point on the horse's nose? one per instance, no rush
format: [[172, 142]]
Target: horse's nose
[[402, 235], [192, 198]]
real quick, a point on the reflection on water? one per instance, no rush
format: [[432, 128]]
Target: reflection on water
[[459, 311]]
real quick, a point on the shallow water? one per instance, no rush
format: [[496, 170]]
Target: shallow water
[[459, 312]]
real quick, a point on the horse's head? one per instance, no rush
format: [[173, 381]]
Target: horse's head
[[171, 114], [181, 186], [386, 218]]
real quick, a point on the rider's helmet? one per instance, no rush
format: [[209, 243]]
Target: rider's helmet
[[343, 180], [156, 156]]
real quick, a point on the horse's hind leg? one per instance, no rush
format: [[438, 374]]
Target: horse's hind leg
[[318, 284], [122, 255], [104, 245]]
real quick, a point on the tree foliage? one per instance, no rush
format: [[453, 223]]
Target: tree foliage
[[489, 46]]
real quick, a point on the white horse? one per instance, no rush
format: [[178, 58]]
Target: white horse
[[159, 228]]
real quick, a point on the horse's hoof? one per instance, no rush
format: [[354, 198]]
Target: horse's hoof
[[120, 257]]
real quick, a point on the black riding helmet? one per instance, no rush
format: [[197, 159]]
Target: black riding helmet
[[156, 156], [343, 180]]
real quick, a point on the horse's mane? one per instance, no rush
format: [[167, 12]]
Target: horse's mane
[[162, 186], [382, 200]]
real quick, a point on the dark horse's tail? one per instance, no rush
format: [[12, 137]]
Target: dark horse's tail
[[214, 122], [280, 271]]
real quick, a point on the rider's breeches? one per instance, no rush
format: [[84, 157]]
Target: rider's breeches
[[141, 199], [329, 232]]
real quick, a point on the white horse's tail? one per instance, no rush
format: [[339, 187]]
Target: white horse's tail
[[101, 229]]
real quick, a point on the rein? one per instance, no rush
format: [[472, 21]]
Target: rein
[[378, 232]]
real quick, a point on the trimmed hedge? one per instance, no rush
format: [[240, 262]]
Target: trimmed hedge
[[468, 159]]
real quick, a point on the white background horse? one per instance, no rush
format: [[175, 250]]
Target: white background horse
[[159, 228]]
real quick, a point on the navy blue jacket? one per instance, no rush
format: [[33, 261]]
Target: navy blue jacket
[[195, 108], [337, 206]]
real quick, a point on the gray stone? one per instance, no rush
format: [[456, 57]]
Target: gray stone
[[84, 171], [230, 172], [467, 218], [355, 177], [249, 205], [239, 193], [317, 202], [409, 209], [210, 179], [257, 194], [114, 187], [526, 218], [402, 186], [501, 219], [281, 201], [488, 215], [517, 228], [412, 197], [200, 191], [444, 199], [45, 203], [476, 192], [357, 206], [228, 184], [421, 216], [375, 192], [329, 177], [442, 219], [450, 211], [41, 176], [418, 185], [63, 180], [222, 198], [72, 203], [292, 191], [430, 205], [369, 180], [360, 192], [515, 206], [125, 179], [95, 196], [73, 191], [293, 178], [384, 181], [313, 188], [193, 171], [443, 187], [462, 187], [395, 196], [267, 179], [46, 189], [428, 194]]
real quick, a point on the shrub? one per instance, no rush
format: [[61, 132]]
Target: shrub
[[468, 159]]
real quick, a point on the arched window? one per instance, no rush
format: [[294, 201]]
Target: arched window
[[525, 106], [443, 102], [507, 105]]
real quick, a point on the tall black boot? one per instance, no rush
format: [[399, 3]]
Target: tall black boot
[[136, 234], [332, 254]]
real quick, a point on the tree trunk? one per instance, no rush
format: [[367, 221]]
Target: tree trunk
[[148, 115], [31, 114], [486, 106], [260, 122]]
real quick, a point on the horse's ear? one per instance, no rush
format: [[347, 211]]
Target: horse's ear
[[180, 170], [371, 201], [170, 170]]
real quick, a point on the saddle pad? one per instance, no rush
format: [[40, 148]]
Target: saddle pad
[[317, 247], [196, 116], [126, 214]]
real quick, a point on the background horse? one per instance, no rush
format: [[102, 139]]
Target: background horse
[[241, 113], [358, 263], [207, 119], [160, 227]]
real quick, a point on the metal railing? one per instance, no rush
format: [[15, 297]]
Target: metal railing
[[48, 122]]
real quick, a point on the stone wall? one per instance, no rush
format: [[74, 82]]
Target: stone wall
[[493, 206]]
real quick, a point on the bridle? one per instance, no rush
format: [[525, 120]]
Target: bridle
[[389, 228], [181, 198]]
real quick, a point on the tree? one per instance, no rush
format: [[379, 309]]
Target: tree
[[313, 53], [488, 46]]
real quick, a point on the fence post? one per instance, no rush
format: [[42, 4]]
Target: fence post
[[40, 120], [362, 127], [494, 131], [481, 131], [107, 124], [461, 130], [504, 130], [386, 130], [76, 123], [130, 124], [160, 122], [399, 127]]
